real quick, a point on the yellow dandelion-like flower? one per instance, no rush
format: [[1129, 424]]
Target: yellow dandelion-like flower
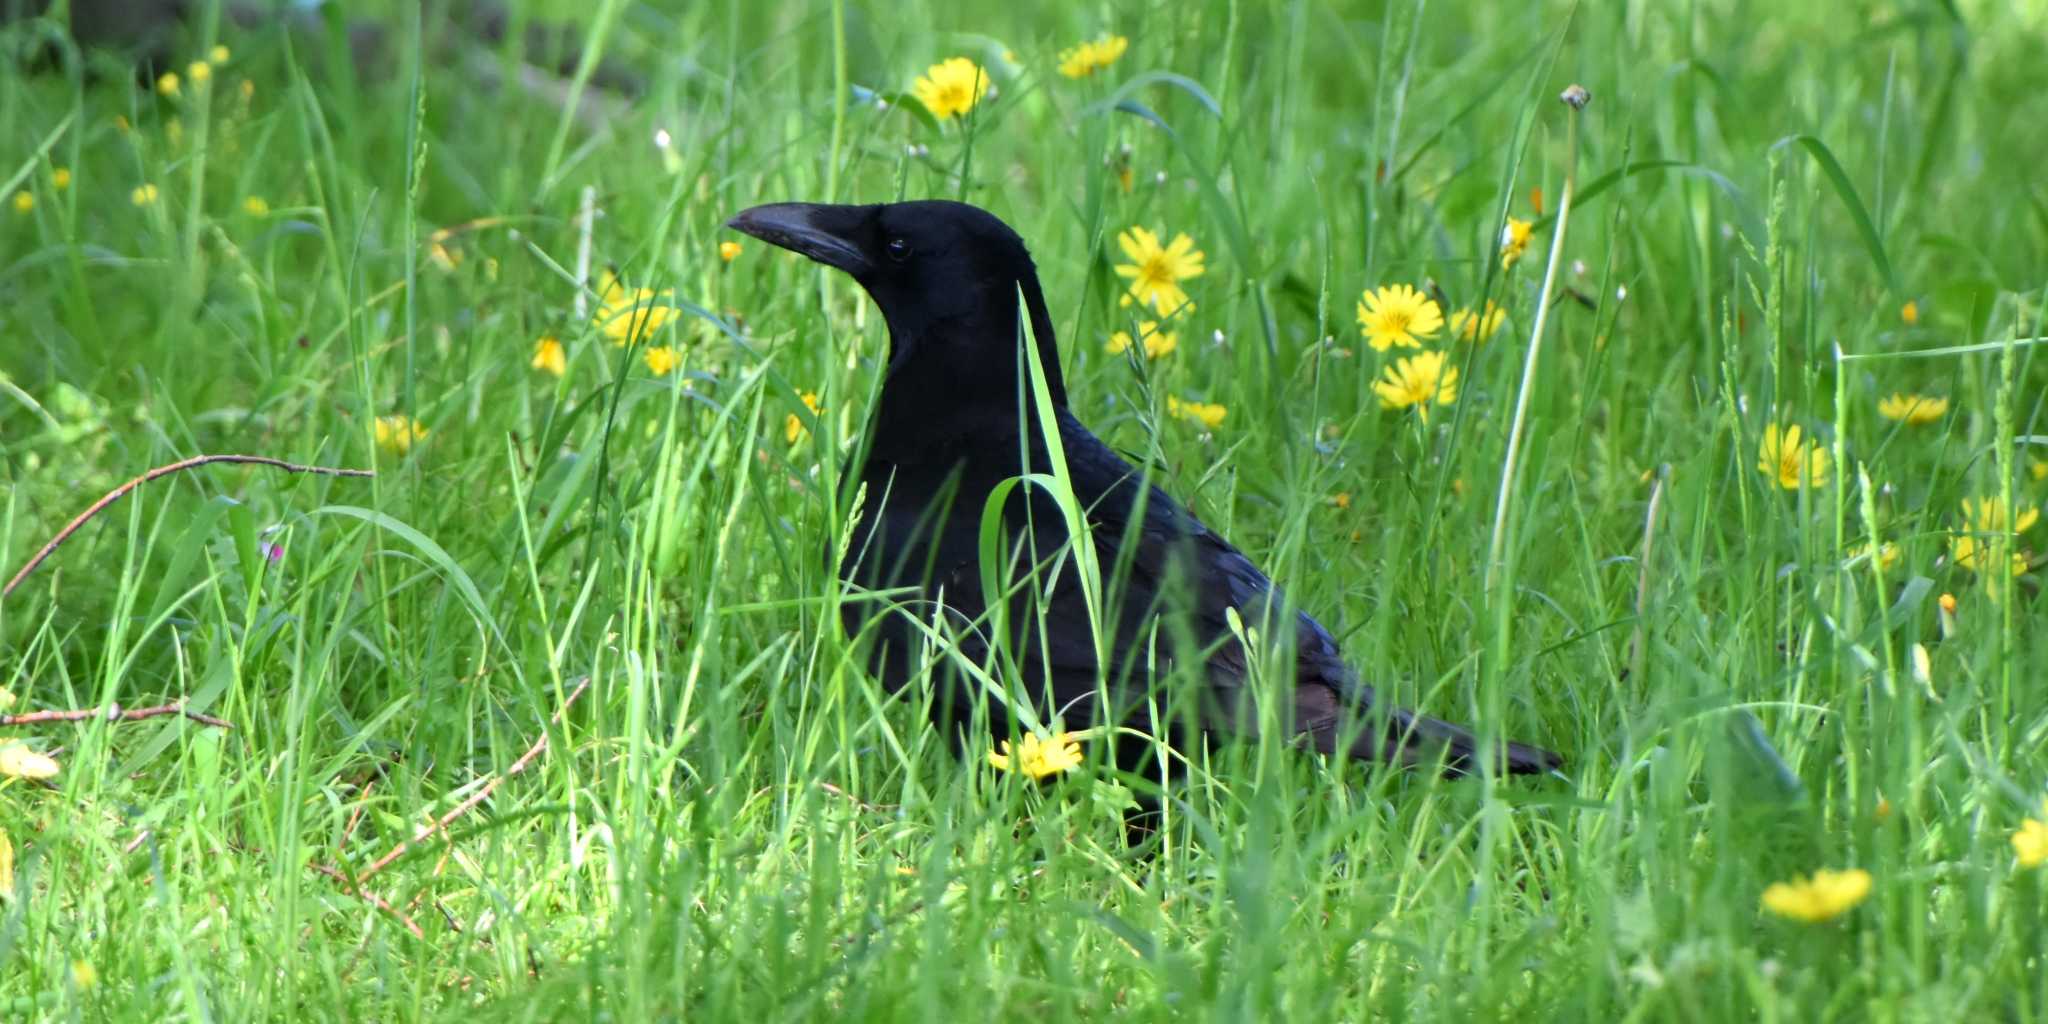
[[728, 251], [1038, 757], [1790, 460], [1418, 381], [24, 201], [1088, 58], [142, 195], [1912, 410], [1157, 342], [951, 87], [1208, 414], [1397, 315], [549, 355], [1340, 500], [447, 257], [626, 316], [663, 359], [1514, 240], [793, 427], [1910, 313], [1156, 271], [60, 178], [1824, 897], [167, 83], [83, 974], [218, 55], [1989, 531], [199, 71], [2037, 468], [18, 761], [1476, 327], [397, 433], [255, 206], [2030, 843], [1887, 554]]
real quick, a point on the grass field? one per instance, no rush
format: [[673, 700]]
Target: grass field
[[1781, 215]]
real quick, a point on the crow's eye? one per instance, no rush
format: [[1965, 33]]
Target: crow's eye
[[899, 250]]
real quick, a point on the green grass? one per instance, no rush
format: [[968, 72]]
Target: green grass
[[733, 822]]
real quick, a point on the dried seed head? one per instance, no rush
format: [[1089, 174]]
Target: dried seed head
[[1576, 97]]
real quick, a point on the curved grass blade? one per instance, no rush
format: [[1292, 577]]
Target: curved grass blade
[[1846, 191], [434, 553]]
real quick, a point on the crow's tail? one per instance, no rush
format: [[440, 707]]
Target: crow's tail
[[1416, 739]]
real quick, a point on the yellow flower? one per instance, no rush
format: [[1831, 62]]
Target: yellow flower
[[255, 206], [1912, 409], [728, 251], [2030, 843], [1947, 603], [1397, 315], [24, 201], [18, 761], [60, 179], [548, 355], [1513, 240], [1788, 459], [1824, 897], [628, 316], [1157, 342], [1208, 414], [396, 433], [2037, 468], [142, 195], [83, 974], [218, 55], [1469, 326], [167, 83], [248, 90], [442, 255], [1887, 554], [1417, 381], [1088, 58], [1341, 499], [1155, 271], [1910, 313], [1037, 757], [793, 427], [199, 72], [663, 359], [951, 87], [1988, 516]]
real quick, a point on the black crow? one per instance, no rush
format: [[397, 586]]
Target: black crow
[[956, 420]]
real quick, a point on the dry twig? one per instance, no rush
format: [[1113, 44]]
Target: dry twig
[[354, 887], [539, 746], [115, 713], [115, 495]]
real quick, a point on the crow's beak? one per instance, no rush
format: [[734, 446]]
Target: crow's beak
[[816, 230]]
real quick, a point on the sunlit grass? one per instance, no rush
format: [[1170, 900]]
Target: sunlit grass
[[1765, 656]]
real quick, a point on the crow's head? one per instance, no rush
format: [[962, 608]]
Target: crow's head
[[946, 276]]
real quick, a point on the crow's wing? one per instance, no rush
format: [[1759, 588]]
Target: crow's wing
[[1177, 565]]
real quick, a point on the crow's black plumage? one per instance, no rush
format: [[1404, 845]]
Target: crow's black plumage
[[956, 420]]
